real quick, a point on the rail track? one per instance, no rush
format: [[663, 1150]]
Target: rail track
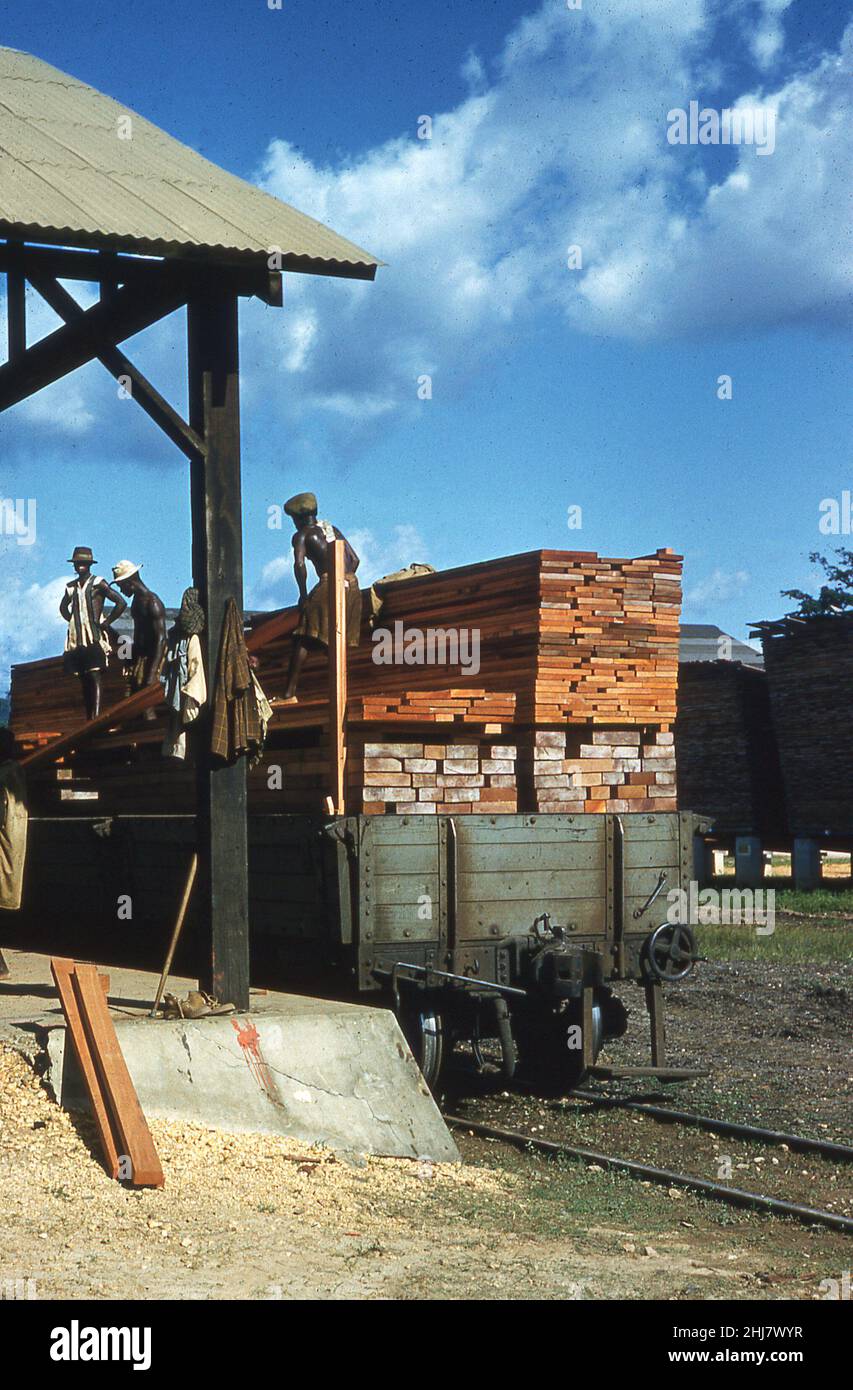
[[721, 1192], [799, 1143]]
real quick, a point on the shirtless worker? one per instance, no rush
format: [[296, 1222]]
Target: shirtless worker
[[149, 628], [13, 830], [311, 542]]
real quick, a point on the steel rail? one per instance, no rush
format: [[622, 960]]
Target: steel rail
[[734, 1196], [827, 1148]]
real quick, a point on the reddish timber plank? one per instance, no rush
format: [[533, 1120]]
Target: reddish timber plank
[[130, 1124], [62, 971]]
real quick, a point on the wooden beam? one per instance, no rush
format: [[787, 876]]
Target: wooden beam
[[130, 708], [214, 394], [141, 390], [107, 267], [108, 322], [337, 673], [279, 625], [16, 305], [657, 1022], [62, 971], [128, 1121]]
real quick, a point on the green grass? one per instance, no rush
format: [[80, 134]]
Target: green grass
[[815, 942], [823, 900]]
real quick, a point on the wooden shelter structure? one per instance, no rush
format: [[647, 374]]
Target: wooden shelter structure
[[92, 192]]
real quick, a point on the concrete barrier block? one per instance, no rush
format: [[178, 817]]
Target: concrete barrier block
[[326, 1073]]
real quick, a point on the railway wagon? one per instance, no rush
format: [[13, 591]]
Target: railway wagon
[[513, 928]]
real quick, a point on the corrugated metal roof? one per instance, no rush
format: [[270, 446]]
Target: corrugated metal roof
[[66, 177], [705, 642]]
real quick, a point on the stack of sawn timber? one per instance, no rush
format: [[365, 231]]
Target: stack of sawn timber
[[570, 646], [728, 762], [809, 668]]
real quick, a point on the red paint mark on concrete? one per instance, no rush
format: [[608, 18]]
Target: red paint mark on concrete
[[250, 1041]]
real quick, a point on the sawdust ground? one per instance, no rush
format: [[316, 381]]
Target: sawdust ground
[[260, 1217]]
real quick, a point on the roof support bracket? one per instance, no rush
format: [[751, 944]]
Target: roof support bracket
[[92, 332], [120, 366]]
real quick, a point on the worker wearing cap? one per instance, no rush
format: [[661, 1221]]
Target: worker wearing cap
[[13, 830], [311, 542], [149, 628], [87, 645]]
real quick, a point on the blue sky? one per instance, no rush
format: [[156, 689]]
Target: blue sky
[[552, 387]]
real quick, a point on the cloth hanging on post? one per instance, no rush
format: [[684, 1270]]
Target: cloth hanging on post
[[185, 691], [13, 835], [236, 730]]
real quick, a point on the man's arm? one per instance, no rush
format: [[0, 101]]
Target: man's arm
[[117, 600], [157, 614], [352, 561], [65, 603], [300, 572]]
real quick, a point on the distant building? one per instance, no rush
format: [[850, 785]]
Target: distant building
[[705, 642]]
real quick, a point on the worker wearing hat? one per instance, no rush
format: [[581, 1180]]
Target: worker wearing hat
[[87, 644], [149, 628], [311, 542]]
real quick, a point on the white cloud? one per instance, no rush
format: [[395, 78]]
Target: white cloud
[[768, 37], [30, 624], [386, 553], [718, 587], [567, 145]]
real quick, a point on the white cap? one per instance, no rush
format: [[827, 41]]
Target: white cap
[[125, 569]]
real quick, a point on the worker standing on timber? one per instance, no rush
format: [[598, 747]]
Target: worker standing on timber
[[149, 628], [312, 541], [13, 830], [87, 645]]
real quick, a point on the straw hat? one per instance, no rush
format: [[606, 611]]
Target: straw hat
[[125, 569]]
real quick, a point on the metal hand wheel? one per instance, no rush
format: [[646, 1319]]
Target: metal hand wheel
[[671, 951]]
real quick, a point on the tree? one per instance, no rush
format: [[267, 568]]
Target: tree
[[835, 596]]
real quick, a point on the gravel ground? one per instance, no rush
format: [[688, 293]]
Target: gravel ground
[[256, 1217]]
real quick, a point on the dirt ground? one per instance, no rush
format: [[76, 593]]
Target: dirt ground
[[264, 1218]]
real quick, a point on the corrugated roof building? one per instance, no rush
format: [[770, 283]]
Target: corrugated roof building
[[79, 169]]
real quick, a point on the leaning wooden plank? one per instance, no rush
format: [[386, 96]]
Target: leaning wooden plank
[[62, 971], [131, 1127]]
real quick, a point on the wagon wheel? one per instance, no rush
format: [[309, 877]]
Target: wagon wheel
[[671, 951], [547, 1047], [423, 1025]]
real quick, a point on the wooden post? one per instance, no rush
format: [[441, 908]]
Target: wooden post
[[16, 304], [588, 1027], [657, 1022], [214, 397], [338, 674]]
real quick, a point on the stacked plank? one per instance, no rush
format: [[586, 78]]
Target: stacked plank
[[47, 702], [615, 770], [810, 675], [429, 778], [728, 762], [465, 706], [560, 636], [568, 659], [608, 644]]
